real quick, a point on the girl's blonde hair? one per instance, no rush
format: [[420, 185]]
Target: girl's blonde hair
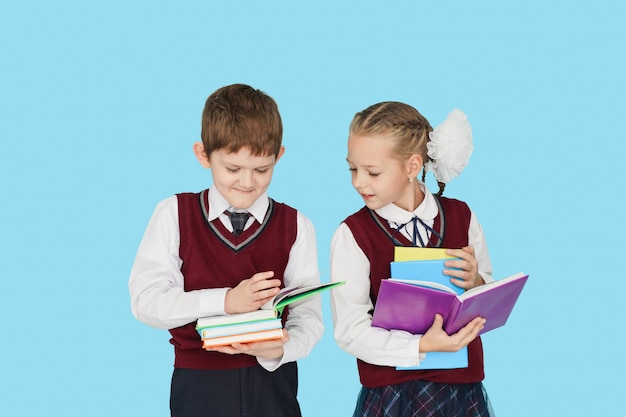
[[398, 121]]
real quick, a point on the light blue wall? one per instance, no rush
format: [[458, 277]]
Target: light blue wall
[[100, 103]]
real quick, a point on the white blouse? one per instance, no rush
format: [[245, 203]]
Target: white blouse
[[351, 303]]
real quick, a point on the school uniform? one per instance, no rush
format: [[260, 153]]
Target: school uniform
[[361, 251], [186, 262]]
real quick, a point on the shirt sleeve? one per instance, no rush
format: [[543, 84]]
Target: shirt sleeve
[[156, 282], [304, 323], [351, 308], [476, 239]]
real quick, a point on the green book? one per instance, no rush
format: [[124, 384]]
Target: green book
[[290, 295]]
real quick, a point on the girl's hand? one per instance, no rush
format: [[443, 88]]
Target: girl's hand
[[437, 340], [467, 276], [250, 294], [269, 349]]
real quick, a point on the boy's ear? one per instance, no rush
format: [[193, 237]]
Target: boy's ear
[[414, 165], [280, 153], [201, 156]]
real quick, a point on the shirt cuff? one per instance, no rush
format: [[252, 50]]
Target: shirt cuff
[[414, 357], [211, 302], [273, 364], [270, 364]]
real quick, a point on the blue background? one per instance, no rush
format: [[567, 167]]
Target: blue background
[[100, 103]]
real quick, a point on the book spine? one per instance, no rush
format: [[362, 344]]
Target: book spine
[[450, 325], [245, 338]]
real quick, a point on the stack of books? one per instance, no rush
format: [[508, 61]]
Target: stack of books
[[254, 326], [249, 327], [418, 289], [422, 265]]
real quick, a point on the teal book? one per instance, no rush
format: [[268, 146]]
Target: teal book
[[240, 328], [424, 270], [440, 360]]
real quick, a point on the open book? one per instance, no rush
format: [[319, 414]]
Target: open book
[[411, 305], [271, 310], [290, 295]]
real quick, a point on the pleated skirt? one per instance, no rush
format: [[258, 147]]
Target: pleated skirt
[[424, 399]]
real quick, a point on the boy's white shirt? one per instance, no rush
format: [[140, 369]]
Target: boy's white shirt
[[156, 282], [351, 303]]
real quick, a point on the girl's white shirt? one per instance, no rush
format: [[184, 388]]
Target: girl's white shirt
[[351, 304], [156, 282]]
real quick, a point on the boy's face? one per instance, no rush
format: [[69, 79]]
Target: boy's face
[[241, 177]]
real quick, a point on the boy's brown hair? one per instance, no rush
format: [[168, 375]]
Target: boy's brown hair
[[238, 116]]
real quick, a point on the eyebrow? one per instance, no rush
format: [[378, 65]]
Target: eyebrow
[[364, 166]]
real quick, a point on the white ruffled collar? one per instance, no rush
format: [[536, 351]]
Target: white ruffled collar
[[427, 210]]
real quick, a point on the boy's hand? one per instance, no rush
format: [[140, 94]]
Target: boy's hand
[[250, 294], [467, 277], [437, 340], [269, 349]]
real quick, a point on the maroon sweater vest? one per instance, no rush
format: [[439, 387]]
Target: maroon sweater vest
[[214, 258], [376, 239]]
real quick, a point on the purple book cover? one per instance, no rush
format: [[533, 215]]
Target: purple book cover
[[409, 307], [494, 302], [404, 306]]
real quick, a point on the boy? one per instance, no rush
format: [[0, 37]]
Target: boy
[[192, 262]]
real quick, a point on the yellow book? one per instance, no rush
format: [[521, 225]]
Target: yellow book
[[411, 253]]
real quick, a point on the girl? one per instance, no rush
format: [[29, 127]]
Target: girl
[[388, 145]]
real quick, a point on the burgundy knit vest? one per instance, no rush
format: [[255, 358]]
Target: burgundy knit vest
[[212, 257], [375, 238]]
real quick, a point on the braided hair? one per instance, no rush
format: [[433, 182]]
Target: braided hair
[[402, 122]]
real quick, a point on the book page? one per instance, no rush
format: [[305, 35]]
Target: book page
[[490, 286], [427, 284], [291, 294]]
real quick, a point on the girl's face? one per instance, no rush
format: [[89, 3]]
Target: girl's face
[[377, 176]]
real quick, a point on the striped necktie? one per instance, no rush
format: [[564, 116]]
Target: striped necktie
[[238, 221]]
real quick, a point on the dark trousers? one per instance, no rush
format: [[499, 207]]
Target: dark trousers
[[249, 392]]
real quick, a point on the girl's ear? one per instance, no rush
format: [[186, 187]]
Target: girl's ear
[[201, 156], [414, 165]]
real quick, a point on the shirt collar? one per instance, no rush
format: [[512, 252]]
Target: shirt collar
[[218, 204], [427, 210]]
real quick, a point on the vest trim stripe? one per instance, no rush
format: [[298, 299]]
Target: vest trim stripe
[[433, 244], [235, 247]]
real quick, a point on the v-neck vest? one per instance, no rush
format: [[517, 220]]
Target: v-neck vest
[[377, 240], [213, 257]]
